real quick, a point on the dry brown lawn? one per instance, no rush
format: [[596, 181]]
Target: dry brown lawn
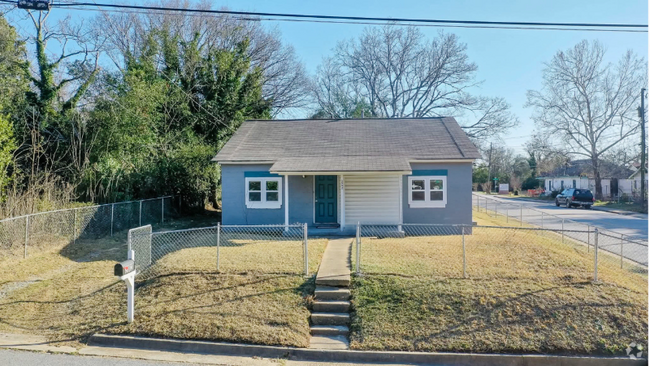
[[524, 293], [68, 292], [497, 253]]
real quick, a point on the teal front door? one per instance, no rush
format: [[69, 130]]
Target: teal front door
[[325, 199]]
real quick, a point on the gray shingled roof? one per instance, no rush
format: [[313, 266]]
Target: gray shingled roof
[[583, 167], [347, 145]]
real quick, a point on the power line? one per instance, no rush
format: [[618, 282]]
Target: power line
[[257, 19], [373, 20]]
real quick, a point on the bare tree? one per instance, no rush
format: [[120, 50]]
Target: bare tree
[[286, 82], [548, 154], [489, 117], [61, 81], [402, 74], [335, 97], [587, 104]]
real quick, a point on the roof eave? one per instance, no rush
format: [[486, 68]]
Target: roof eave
[[343, 172]]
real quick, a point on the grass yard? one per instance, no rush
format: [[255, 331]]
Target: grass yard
[[624, 206], [68, 293], [525, 292]]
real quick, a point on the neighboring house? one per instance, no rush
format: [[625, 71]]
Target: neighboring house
[[579, 174], [633, 183], [337, 173]]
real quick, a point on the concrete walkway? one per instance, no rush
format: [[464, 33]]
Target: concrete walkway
[[330, 315], [334, 268]]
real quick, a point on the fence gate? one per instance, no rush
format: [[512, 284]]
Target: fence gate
[[139, 240]]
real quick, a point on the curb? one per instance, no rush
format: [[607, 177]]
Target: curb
[[620, 212], [305, 354]]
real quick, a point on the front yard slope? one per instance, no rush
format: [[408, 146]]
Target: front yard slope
[[458, 315], [526, 291]]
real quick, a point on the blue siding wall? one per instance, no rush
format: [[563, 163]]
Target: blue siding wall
[[301, 199], [301, 203], [459, 195], [233, 200]]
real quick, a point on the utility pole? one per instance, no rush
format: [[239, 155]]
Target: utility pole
[[489, 182], [644, 206]]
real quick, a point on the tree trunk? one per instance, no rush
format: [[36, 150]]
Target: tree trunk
[[599, 188]]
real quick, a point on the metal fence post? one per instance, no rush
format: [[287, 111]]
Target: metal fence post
[[304, 237], [521, 215], [140, 220], [507, 214], [464, 259], [621, 251], [562, 231], [358, 251], [542, 219], [26, 234], [74, 228], [218, 242], [596, 255], [588, 237], [162, 212], [112, 215]]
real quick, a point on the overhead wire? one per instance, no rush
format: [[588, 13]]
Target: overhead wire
[[341, 19], [257, 19]]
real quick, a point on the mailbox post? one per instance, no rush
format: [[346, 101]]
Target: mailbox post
[[126, 271]]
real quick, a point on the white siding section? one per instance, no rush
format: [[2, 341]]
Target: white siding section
[[372, 199]]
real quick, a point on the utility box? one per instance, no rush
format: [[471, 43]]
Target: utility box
[[124, 268], [43, 5]]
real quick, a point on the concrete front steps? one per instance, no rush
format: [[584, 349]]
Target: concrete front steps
[[330, 315], [330, 318]]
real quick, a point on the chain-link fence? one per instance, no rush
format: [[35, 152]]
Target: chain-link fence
[[279, 249], [139, 241], [493, 252], [513, 214], [54, 229]]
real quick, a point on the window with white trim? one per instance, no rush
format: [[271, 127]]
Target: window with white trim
[[428, 191], [263, 192]]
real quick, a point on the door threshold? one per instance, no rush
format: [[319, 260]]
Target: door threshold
[[327, 226]]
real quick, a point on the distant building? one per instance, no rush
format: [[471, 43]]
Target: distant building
[[615, 180]]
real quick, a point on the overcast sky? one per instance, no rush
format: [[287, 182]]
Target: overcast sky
[[509, 61]]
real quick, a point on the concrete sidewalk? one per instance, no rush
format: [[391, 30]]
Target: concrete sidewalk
[[334, 268], [44, 352]]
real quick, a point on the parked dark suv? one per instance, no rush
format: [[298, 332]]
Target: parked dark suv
[[575, 197]]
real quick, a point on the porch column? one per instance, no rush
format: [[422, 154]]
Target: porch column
[[342, 194], [401, 206], [286, 203]]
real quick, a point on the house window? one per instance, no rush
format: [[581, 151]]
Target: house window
[[429, 191], [263, 192]]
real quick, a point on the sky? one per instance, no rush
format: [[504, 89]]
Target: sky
[[510, 62]]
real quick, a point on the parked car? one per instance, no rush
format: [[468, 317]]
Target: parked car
[[575, 197]]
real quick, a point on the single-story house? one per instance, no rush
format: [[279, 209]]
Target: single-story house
[[579, 174], [336, 173], [633, 183]]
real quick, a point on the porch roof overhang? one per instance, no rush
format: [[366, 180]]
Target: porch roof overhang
[[341, 165]]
